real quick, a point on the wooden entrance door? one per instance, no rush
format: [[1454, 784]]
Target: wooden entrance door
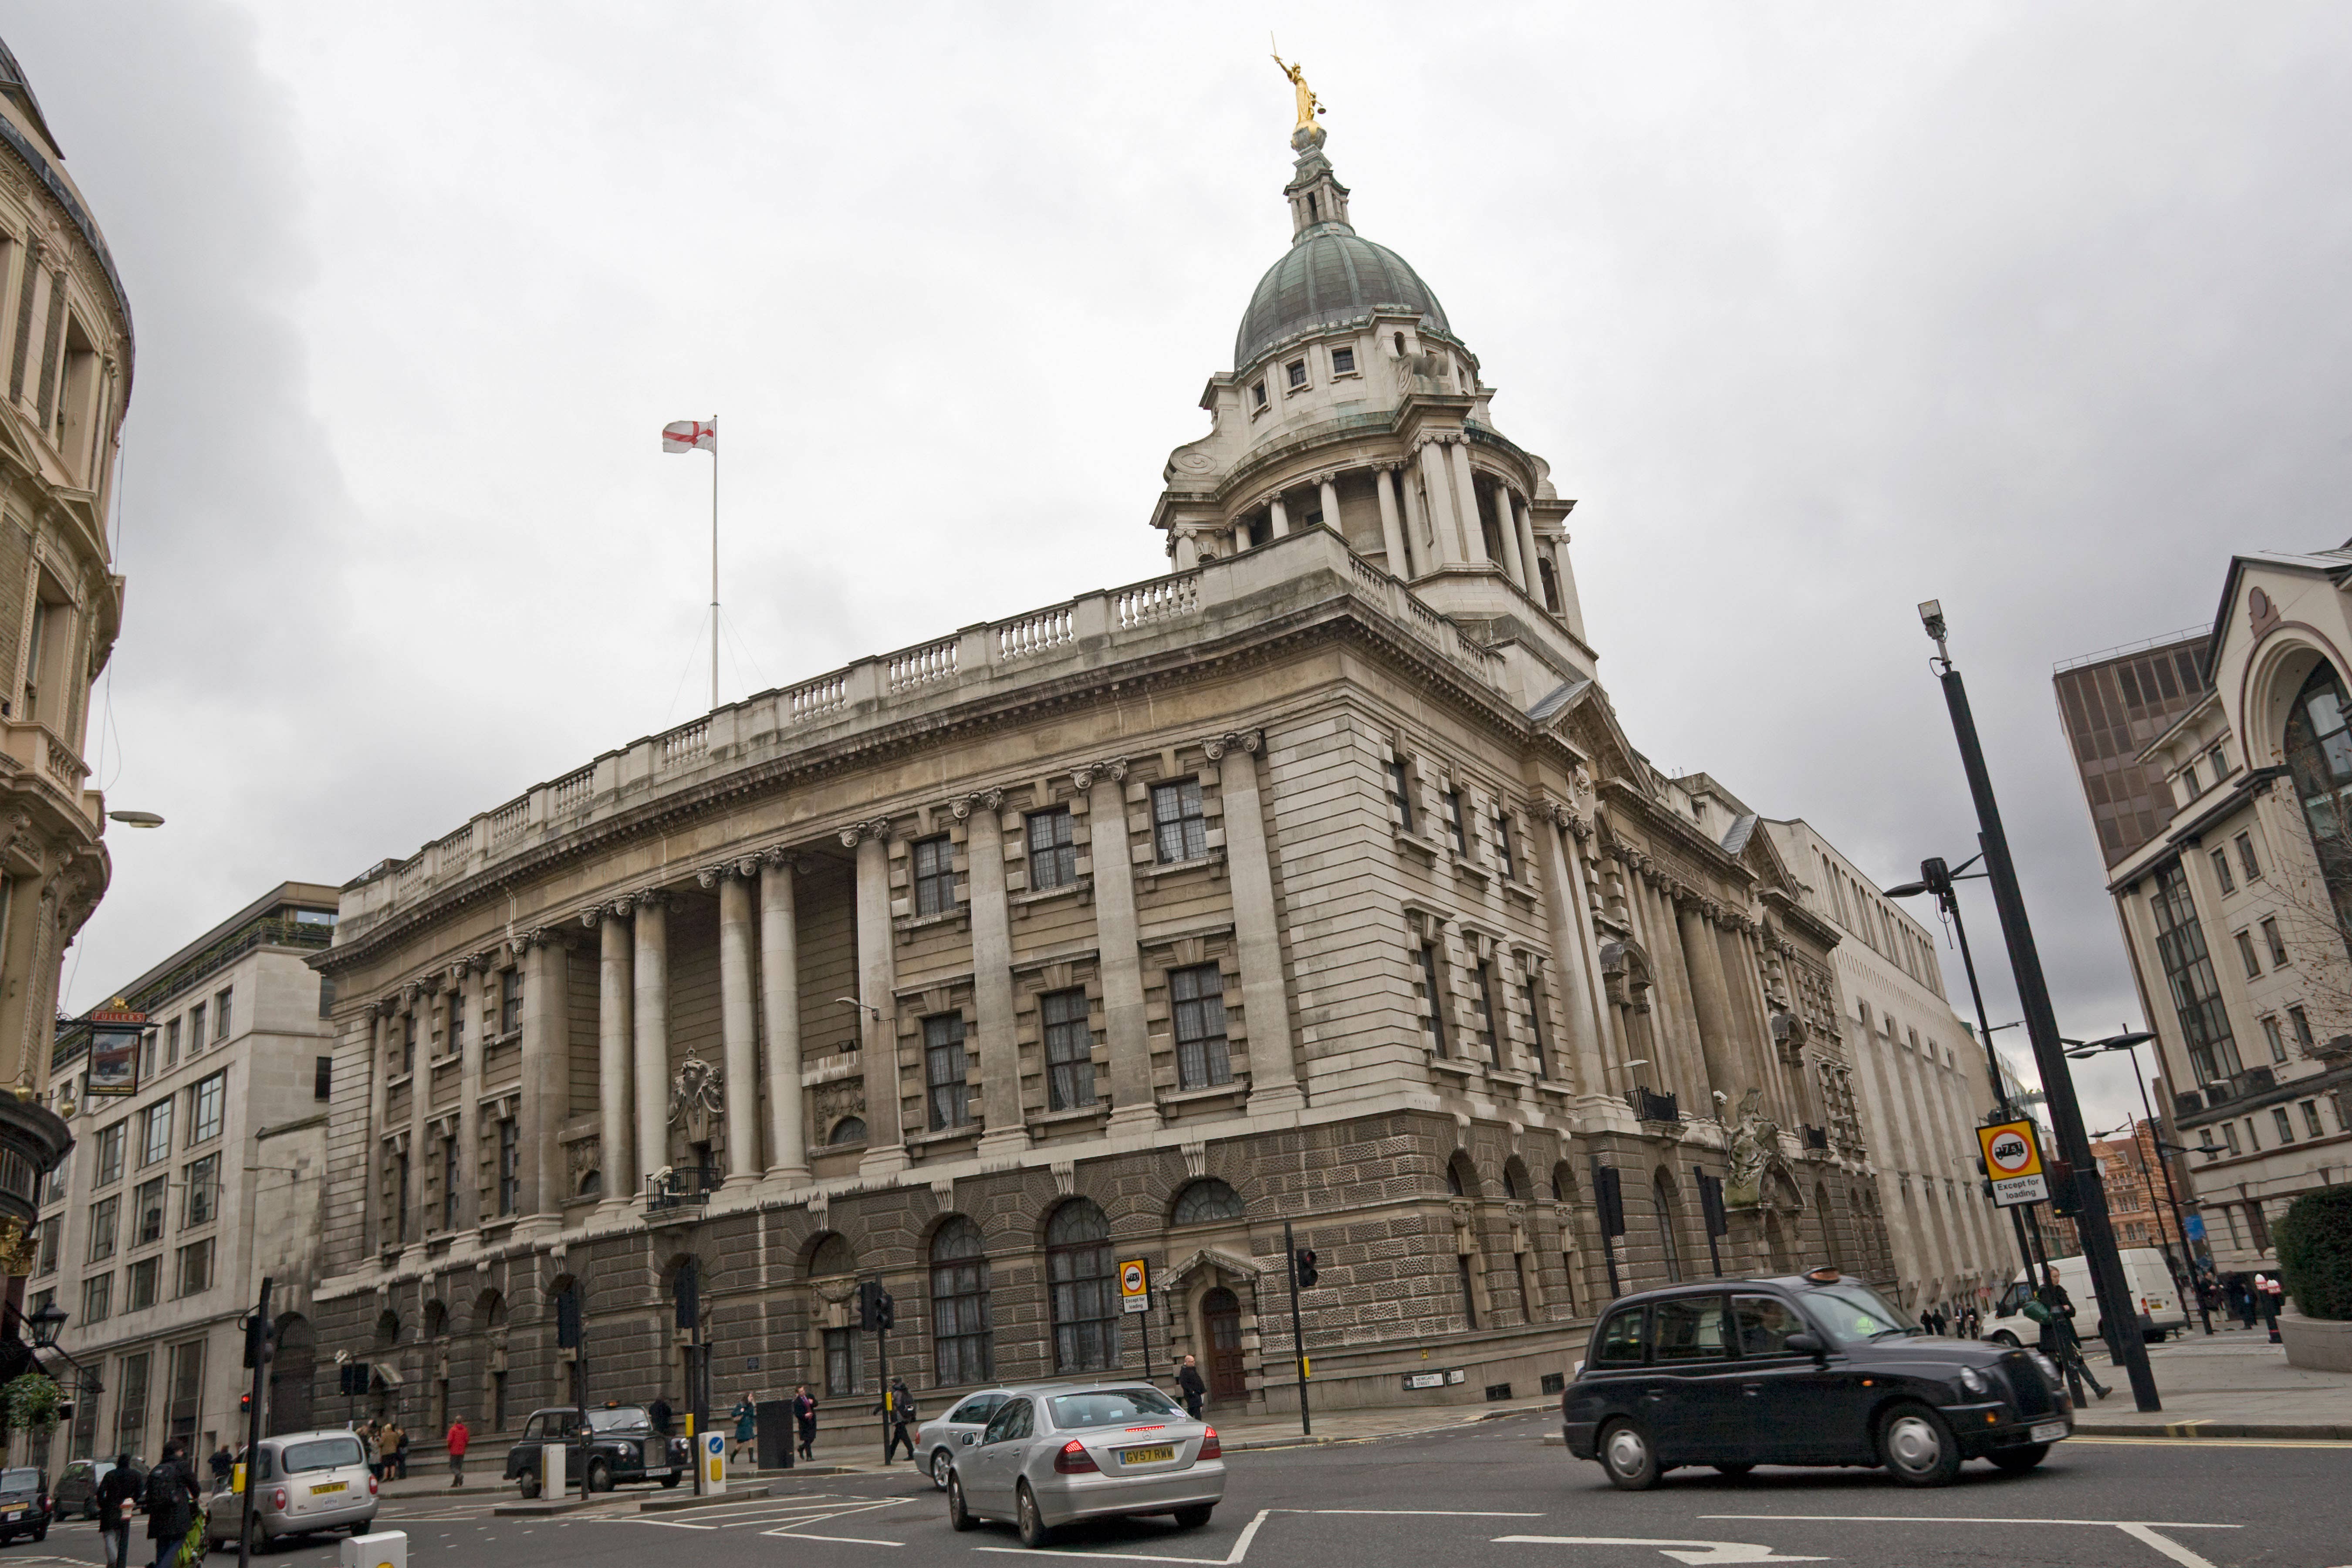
[[1221, 1317]]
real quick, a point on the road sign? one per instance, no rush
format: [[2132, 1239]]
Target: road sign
[[2013, 1159], [1135, 1285]]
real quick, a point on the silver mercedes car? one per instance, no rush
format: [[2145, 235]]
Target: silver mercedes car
[[303, 1482], [1054, 1455]]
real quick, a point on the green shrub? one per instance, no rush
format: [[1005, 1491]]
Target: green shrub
[[2315, 1249], [28, 1404]]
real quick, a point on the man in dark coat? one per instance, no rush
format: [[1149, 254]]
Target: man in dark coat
[[804, 1421], [119, 1484], [1190, 1388], [170, 1499], [659, 1412], [897, 1411]]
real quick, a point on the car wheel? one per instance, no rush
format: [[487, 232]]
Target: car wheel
[[1740, 1468], [670, 1479], [1916, 1445], [89, 1511], [2003, 1337], [529, 1485], [257, 1540], [600, 1476], [1033, 1530], [42, 1533], [942, 1463], [1625, 1454], [1196, 1516], [959, 1517], [2016, 1461]]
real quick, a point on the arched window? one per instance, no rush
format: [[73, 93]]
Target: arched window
[[2319, 754], [1084, 1294], [1564, 1184], [591, 1184], [1662, 1194], [1206, 1201], [436, 1320], [832, 1257], [1515, 1179], [848, 1129], [387, 1330], [960, 1348], [1461, 1176]]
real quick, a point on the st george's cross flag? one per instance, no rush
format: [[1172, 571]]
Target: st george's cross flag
[[685, 434]]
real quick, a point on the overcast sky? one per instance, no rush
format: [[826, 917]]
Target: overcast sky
[[2036, 308]]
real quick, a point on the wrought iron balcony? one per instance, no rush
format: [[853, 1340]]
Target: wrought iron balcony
[[681, 1187], [1649, 1105]]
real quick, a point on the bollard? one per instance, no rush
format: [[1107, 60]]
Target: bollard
[[713, 1446], [551, 1480], [385, 1548]]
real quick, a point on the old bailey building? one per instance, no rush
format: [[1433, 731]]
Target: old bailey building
[[1313, 880]]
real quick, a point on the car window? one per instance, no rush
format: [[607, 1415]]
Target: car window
[[1853, 1313], [617, 1417], [1764, 1324], [20, 1481], [1108, 1408], [978, 1408], [1688, 1329], [534, 1427], [1623, 1342], [321, 1454]]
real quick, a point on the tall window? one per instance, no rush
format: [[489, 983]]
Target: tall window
[[2276, 943], [1503, 846], [448, 1184], [510, 1001], [457, 1042], [1432, 1016], [147, 1213], [2302, 1022], [1401, 792], [1069, 1050], [204, 1102], [1662, 1194], [509, 1168], [842, 1371], [943, 1071], [1489, 1028], [2246, 956], [961, 1351], [2246, 861], [2189, 973], [130, 1404], [1198, 994], [1082, 1287], [408, 1042], [140, 1282], [196, 1029], [155, 1133], [220, 1014], [1454, 825], [2276, 1041], [204, 1192], [102, 1227], [109, 1155], [2221, 871], [1469, 1290], [2319, 755], [322, 1078], [400, 1187], [196, 1268], [1053, 854], [171, 1043], [1179, 830], [935, 889], [1535, 1027], [97, 1299]]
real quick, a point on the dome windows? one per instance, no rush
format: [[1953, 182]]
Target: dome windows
[[1295, 374], [1343, 362], [1257, 397]]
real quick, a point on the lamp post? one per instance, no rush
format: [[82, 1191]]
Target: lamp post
[[2184, 1274], [2113, 1292]]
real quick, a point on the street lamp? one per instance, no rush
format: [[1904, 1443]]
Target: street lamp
[[45, 1324], [2115, 1308], [2129, 1045], [135, 818]]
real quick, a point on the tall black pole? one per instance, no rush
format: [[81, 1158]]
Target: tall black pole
[[256, 1339], [1297, 1337], [1950, 898], [2119, 1319]]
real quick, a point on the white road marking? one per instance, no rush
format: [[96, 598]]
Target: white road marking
[[1691, 1552], [2141, 1530], [1249, 1534], [850, 1539]]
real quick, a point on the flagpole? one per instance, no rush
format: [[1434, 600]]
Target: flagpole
[[714, 568]]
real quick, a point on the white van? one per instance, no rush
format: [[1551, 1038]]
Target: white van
[[2161, 1310]]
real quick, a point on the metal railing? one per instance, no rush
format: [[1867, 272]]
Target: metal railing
[[681, 1187], [1649, 1105]]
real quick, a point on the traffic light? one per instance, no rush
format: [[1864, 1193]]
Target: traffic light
[[2065, 1196], [261, 1341], [65, 1411], [886, 1310], [567, 1319], [689, 1294], [243, 1405], [869, 1306], [1303, 1264]]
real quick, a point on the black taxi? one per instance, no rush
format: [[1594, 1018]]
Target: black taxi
[[1811, 1369], [609, 1445]]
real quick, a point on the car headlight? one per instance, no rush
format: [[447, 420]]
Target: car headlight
[[1975, 1382], [2049, 1368]]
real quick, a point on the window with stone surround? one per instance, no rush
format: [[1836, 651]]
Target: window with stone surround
[[1503, 859], [1400, 793], [1454, 825], [2274, 943], [1179, 828], [1070, 1049], [155, 1133], [2311, 1119], [1541, 1036], [141, 1281], [196, 1268], [110, 1154], [2246, 861], [2246, 956], [963, 1345], [205, 1105], [97, 1299], [1295, 373], [1197, 998], [203, 1201], [1257, 397], [2302, 1022], [1081, 1288], [509, 1167], [1053, 852], [945, 1091], [147, 1213], [510, 1001], [2277, 1041], [2221, 871], [1432, 1016], [103, 1228], [1343, 362], [935, 889], [1481, 1003]]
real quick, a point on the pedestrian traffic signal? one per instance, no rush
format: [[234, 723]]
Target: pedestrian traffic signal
[[1303, 1264]]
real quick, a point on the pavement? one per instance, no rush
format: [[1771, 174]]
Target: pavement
[[2235, 1383]]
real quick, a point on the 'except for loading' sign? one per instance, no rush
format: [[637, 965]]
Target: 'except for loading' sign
[[2012, 1157]]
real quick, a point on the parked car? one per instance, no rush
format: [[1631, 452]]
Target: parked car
[[76, 1492], [2154, 1295], [24, 1505], [608, 1446], [1811, 1369], [937, 1440], [1057, 1453], [303, 1483]]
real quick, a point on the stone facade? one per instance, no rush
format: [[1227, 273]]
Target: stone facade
[[1313, 882]]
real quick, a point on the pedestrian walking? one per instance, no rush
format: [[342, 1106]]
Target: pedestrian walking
[[458, 1439], [659, 1411], [223, 1464], [118, 1497], [804, 1420], [1190, 1388], [747, 1426], [170, 1497], [897, 1411], [398, 1467]]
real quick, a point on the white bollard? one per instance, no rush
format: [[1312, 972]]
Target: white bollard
[[713, 1444], [385, 1548], [551, 1480]]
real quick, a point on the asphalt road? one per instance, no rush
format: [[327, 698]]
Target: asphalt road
[[1486, 1495]]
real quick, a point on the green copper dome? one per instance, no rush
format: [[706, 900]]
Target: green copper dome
[[1331, 275]]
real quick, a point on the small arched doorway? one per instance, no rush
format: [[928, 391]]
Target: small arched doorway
[[291, 1372], [1220, 1326]]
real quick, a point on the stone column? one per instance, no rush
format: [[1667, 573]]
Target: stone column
[[738, 1028], [1473, 538], [1420, 544], [1241, 537], [1249, 868], [780, 1010], [1330, 493], [651, 1006], [991, 973], [1281, 517], [1571, 609], [420, 1108], [1187, 551], [1507, 524], [1117, 935], [615, 1150], [1525, 531], [1437, 490], [546, 1079], [466, 1003], [372, 1229], [1717, 1044], [1573, 985], [1391, 529], [877, 982]]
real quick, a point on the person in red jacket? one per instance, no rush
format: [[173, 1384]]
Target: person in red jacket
[[458, 1436]]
